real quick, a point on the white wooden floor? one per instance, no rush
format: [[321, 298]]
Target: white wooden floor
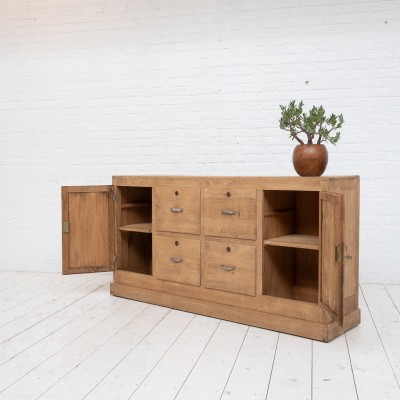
[[65, 337]]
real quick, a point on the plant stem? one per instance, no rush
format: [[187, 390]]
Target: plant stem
[[294, 133]]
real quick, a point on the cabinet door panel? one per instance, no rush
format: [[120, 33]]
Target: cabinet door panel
[[88, 229], [331, 293]]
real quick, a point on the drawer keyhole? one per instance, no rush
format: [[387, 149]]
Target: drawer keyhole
[[228, 194], [176, 193], [228, 249], [176, 243]]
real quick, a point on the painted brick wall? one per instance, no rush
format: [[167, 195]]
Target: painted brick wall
[[95, 88]]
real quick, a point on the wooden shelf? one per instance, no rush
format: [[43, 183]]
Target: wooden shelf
[[297, 241], [305, 293], [144, 228], [135, 205], [277, 213]]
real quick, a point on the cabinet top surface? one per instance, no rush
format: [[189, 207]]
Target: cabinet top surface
[[256, 177], [258, 182]]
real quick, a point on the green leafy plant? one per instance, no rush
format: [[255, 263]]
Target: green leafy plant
[[315, 125]]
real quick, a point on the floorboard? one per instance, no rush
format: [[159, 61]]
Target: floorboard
[[124, 379], [373, 374], [80, 381], [332, 372], [24, 332], [394, 293], [64, 361], [387, 322], [26, 361], [208, 377], [67, 338], [45, 293], [291, 374], [168, 375], [253, 366]]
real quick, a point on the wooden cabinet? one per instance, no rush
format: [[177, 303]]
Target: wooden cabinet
[[275, 252]]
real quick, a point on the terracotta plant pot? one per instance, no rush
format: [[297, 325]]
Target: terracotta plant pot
[[310, 159]]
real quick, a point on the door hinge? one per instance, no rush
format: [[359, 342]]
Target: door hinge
[[65, 226], [114, 196], [338, 254], [114, 260]]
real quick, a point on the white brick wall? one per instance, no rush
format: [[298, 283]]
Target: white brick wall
[[95, 88]]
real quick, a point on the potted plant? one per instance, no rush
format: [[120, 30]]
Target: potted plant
[[310, 156]]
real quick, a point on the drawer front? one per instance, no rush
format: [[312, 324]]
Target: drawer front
[[177, 210], [230, 267], [230, 213], [177, 259]]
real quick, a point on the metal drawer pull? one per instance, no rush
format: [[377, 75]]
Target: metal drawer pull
[[176, 260], [227, 267], [230, 212], [176, 210]]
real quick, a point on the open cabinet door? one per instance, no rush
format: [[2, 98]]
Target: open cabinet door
[[331, 289], [88, 229]]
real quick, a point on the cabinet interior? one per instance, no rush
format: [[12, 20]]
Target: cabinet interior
[[291, 244], [135, 229]]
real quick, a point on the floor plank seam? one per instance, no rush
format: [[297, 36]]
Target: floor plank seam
[[395, 305], [272, 367], [351, 366], [234, 363], [22, 289], [34, 344], [380, 339], [41, 305], [169, 347], [312, 369], [51, 315], [198, 358], [89, 355], [130, 351], [56, 334]]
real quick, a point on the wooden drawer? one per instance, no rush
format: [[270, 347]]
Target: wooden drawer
[[177, 210], [177, 259], [230, 213], [230, 267]]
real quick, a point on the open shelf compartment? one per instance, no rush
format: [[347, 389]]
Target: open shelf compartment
[[136, 252], [291, 273], [291, 244], [135, 229]]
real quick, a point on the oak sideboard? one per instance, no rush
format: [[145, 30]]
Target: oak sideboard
[[279, 253]]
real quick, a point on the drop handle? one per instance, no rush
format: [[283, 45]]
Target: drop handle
[[176, 210], [227, 268], [230, 212], [176, 260]]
